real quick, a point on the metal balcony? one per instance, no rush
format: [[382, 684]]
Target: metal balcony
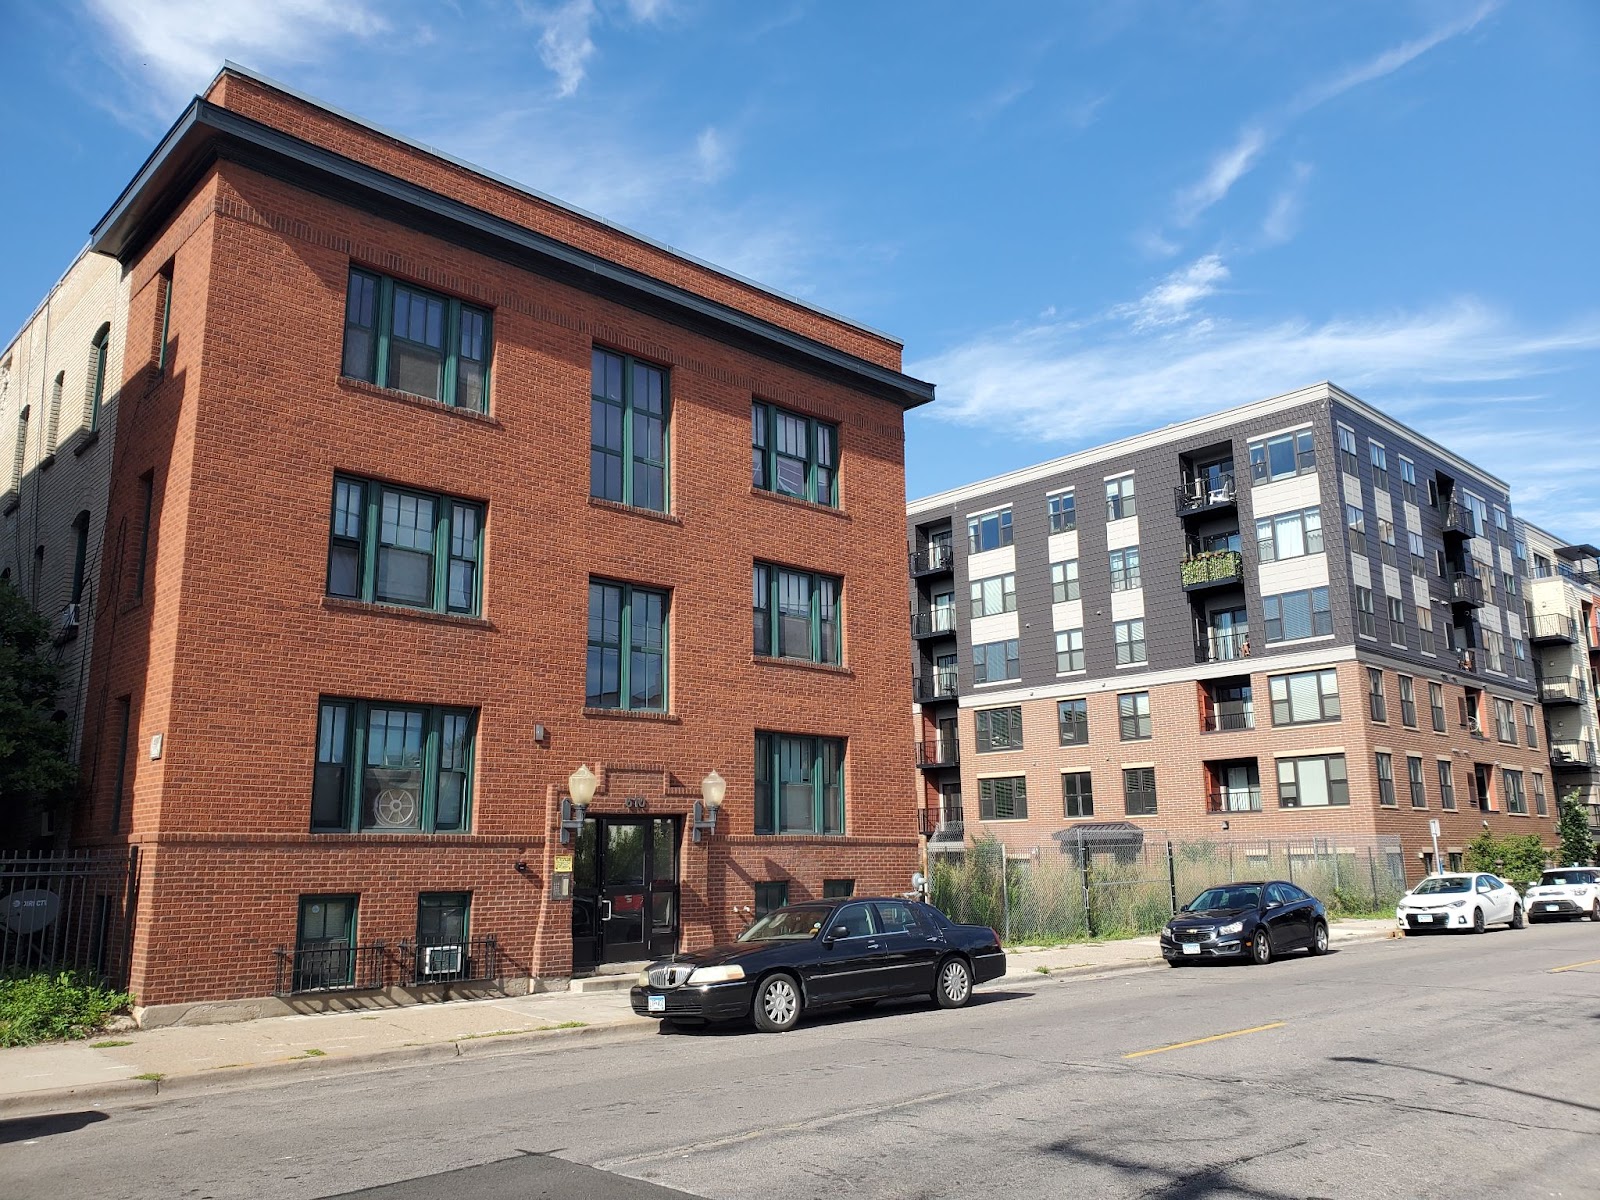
[[1201, 496], [1572, 756], [944, 823], [941, 752], [1467, 659], [933, 559], [1570, 690], [1216, 646], [1212, 568], [1230, 800], [936, 622], [936, 685], [1466, 589], [1228, 717], [1457, 520], [1553, 627]]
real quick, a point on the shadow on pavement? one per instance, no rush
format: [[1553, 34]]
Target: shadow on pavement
[[1499, 1087], [843, 1016], [22, 1129], [1177, 1181]]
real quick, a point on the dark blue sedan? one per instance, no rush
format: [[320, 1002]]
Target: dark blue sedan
[[1255, 920]]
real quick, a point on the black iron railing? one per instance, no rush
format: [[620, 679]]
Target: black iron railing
[[933, 622], [936, 556], [940, 752], [1222, 647], [1457, 518], [1466, 589], [1553, 627], [1570, 690], [1572, 754], [944, 823], [1226, 800], [332, 968], [936, 685], [450, 962], [65, 911], [1224, 718], [1201, 495]]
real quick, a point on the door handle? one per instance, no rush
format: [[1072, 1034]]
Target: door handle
[[605, 910], [874, 945]]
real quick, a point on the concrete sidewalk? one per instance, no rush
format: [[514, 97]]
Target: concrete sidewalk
[[140, 1065]]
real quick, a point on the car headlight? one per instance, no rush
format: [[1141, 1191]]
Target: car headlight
[[1230, 927], [643, 980], [1457, 903], [724, 974]]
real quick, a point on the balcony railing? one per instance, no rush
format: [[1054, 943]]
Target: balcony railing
[[940, 752], [944, 823], [331, 968], [1222, 647], [1212, 568], [1553, 627], [1457, 519], [454, 962], [1570, 690], [1226, 800], [1227, 719], [933, 623], [1572, 754], [1466, 589], [1202, 495], [936, 685], [1467, 659], [932, 558]]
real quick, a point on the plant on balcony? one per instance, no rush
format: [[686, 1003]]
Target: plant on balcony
[[1209, 565]]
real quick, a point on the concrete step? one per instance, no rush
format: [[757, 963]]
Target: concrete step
[[604, 983]]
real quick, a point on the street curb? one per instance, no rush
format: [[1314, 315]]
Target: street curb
[[1370, 935]]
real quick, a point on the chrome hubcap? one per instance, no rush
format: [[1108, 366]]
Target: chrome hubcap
[[779, 1002], [955, 982]]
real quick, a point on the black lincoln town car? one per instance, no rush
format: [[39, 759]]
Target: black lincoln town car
[[810, 956], [1246, 920]]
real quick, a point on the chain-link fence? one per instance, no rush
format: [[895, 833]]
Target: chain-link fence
[[1132, 884]]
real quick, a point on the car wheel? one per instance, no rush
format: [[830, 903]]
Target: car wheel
[[1260, 948], [1477, 920], [1594, 913], [777, 1005], [1516, 917], [1319, 939], [955, 983]]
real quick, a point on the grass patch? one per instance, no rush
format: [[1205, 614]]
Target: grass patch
[[152, 1076], [468, 1037], [107, 1045], [308, 1054], [1042, 970], [46, 1006], [564, 1025]]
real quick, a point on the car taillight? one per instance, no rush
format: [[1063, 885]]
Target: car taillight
[[994, 935]]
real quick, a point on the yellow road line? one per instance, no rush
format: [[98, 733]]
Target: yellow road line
[[1216, 1037], [1574, 966]]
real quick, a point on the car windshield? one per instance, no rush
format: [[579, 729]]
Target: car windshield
[[1433, 885], [1569, 877], [1226, 898], [788, 925]]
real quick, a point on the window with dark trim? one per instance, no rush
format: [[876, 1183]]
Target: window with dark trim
[[1419, 795], [391, 545], [1530, 727], [1408, 702], [1385, 763], [1077, 794], [1129, 638], [1139, 791], [998, 729], [163, 316], [401, 336], [628, 415], [626, 662], [1295, 615], [1133, 716], [1365, 625], [1376, 704], [1541, 806], [392, 768], [771, 894], [1069, 650], [1380, 466], [989, 531], [1282, 456], [1348, 462], [799, 784], [993, 661], [443, 919], [994, 594], [1063, 512], [1121, 498], [838, 889], [1289, 535], [1064, 580], [1003, 799], [99, 354], [325, 943], [795, 614], [1516, 799], [1316, 781], [1447, 785], [1125, 569], [1436, 704], [80, 556], [1072, 718], [794, 455]]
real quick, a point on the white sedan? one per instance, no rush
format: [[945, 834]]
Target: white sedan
[[1459, 901], [1565, 892]]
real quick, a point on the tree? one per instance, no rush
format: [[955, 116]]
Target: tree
[[36, 767], [1519, 857], [1572, 827]]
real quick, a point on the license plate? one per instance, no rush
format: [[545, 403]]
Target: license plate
[[1551, 907], [1191, 949], [1424, 917], [656, 1003]]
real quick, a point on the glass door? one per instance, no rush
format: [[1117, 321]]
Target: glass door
[[624, 847]]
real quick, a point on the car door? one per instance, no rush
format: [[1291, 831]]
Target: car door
[[911, 952], [1492, 898], [1279, 916], [1304, 911], [850, 958]]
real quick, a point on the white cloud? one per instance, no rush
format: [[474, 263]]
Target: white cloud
[[1283, 217], [713, 153], [649, 12], [1225, 171], [1173, 299], [565, 46]]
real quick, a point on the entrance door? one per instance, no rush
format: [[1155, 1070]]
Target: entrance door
[[625, 890]]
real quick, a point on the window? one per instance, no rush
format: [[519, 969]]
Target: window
[[402, 337], [1289, 535], [1063, 513], [1139, 791], [80, 554], [1530, 727], [1357, 521], [1500, 521], [994, 661], [1317, 781], [99, 362], [1424, 628], [1541, 805], [795, 614], [1133, 716], [1380, 467], [1072, 716], [1408, 702], [1541, 566], [19, 453], [1408, 480], [1508, 583], [1064, 580], [147, 500], [1419, 554], [1385, 779], [989, 531], [1003, 799], [1120, 498], [1516, 798], [1397, 621], [1305, 697], [1505, 721], [1419, 797], [999, 729], [838, 889], [1069, 651], [628, 405], [799, 784], [1125, 569], [771, 894], [1365, 625], [1348, 462], [415, 768], [443, 920], [1447, 785], [1386, 543], [163, 317], [119, 787], [389, 545], [1283, 456], [1436, 703], [1129, 637], [793, 455], [1295, 615], [325, 943], [1077, 794], [626, 664], [996, 594], [1375, 701], [52, 421]]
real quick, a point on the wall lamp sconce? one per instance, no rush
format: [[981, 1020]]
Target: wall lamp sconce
[[712, 789], [581, 785]]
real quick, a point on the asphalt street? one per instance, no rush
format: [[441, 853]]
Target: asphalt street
[[1443, 1066]]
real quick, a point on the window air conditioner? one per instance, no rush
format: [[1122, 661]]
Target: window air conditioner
[[441, 960], [69, 618], [1474, 725]]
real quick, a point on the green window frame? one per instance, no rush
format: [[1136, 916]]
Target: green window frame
[[799, 784], [1003, 799], [325, 942], [443, 919], [796, 614], [793, 455], [625, 665], [410, 339], [771, 894], [629, 413], [400, 546], [998, 729], [416, 768]]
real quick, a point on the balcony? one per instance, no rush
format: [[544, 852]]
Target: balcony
[[1217, 646], [1553, 627], [1204, 495], [1212, 568], [1224, 718], [1572, 756], [1467, 659], [933, 559], [941, 752], [1466, 589], [1570, 690], [1232, 800], [944, 823], [1458, 521], [936, 685], [936, 622]]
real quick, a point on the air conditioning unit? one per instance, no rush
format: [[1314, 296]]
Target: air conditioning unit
[[441, 960], [67, 624], [1475, 726]]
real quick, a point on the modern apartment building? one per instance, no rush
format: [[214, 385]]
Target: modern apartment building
[[442, 637], [1295, 618], [1563, 613]]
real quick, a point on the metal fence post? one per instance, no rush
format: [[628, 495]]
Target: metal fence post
[[1005, 892], [1088, 891], [1288, 858], [1372, 866], [1172, 878]]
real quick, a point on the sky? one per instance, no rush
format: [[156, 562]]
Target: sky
[[1082, 220]]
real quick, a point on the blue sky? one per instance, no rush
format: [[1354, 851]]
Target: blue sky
[[1082, 219]]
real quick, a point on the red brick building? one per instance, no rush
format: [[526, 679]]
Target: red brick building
[[427, 491]]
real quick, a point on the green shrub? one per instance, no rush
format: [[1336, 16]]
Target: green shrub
[[44, 1006]]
